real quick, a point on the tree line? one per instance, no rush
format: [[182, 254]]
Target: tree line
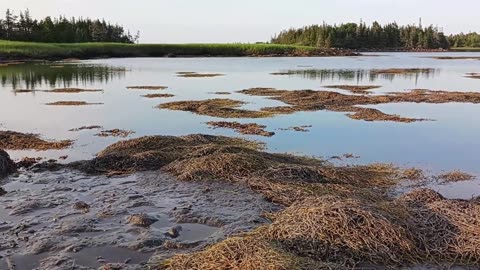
[[465, 40], [361, 36], [23, 27]]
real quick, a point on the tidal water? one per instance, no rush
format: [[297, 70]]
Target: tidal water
[[450, 142]]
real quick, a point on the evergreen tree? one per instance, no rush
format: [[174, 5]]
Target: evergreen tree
[[61, 29], [358, 36]]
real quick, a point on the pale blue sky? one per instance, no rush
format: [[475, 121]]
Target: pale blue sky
[[171, 21]]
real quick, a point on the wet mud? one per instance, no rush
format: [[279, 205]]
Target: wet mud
[[57, 220]]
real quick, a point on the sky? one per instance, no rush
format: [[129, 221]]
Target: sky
[[222, 21]]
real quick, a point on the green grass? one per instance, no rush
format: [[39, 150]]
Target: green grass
[[466, 49], [31, 50]]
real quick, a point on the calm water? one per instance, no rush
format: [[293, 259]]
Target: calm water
[[450, 142]]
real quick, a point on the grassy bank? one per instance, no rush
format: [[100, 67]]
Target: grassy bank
[[465, 49], [31, 50]]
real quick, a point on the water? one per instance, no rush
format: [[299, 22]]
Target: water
[[451, 142]]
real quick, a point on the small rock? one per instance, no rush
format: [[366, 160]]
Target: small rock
[[27, 162], [2, 191], [81, 206], [7, 166], [141, 220], [174, 232]]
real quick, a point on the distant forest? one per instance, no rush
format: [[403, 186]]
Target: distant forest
[[376, 36], [22, 27]]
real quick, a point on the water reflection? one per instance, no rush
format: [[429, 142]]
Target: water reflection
[[358, 75], [33, 76]]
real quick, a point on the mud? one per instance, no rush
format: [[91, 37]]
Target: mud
[[198, 75], [356, 89], [158, 95], [115, 133], [41, 227], [223, 108], [85, 128], [147, 87], [248, 128], [71, 103], [11, 140]]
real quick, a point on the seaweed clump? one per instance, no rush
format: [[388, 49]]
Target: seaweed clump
[[71, 103], [304, 128], [147, 87], [188, 74], [246, 253], [158, 95], [310, 100], [473, 75], [455, 176], [356, 89], [73, 90], [12, 140], [248, 128], [115, 133], [224, 108], [85, 128], [337, 232]]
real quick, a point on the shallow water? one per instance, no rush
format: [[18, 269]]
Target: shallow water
[[451, 142]]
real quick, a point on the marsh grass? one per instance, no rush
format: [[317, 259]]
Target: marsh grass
[[32, 50]]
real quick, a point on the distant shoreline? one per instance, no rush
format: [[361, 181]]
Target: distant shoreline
[[12, 51]]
